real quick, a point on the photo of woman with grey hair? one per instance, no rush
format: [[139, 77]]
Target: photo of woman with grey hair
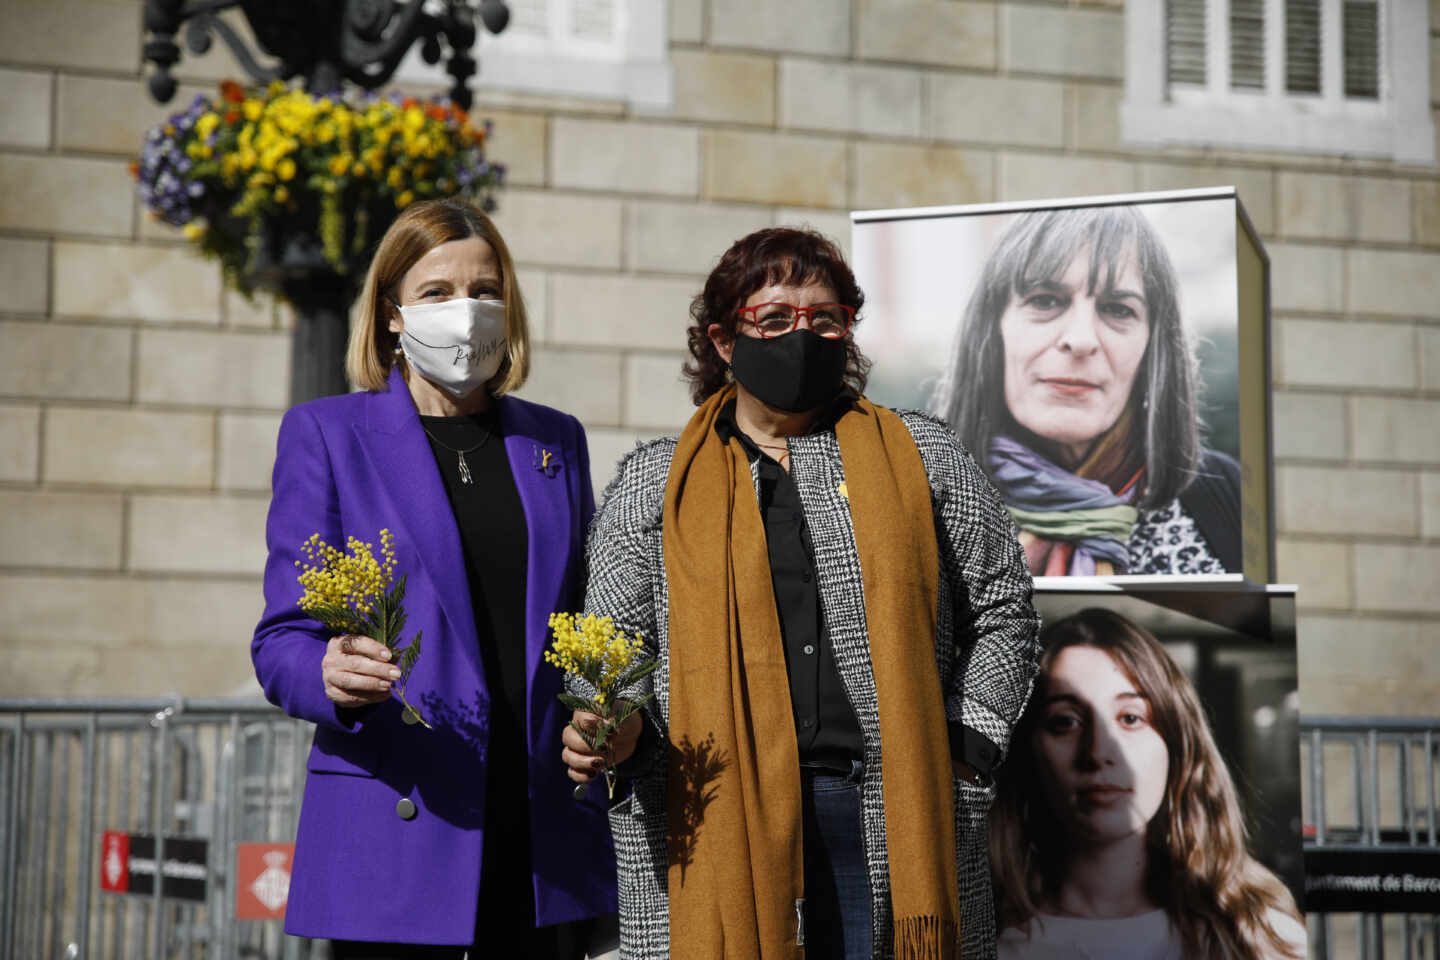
[[1073, 382]]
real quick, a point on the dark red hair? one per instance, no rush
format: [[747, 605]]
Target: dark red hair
[[773, 255]]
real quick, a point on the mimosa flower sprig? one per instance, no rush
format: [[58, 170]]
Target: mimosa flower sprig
[[609, 662], [354, 593]]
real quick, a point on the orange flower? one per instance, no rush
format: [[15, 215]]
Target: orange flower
[[134, 169], [436, 112], [232, 117], [231, 92], [409, 102]]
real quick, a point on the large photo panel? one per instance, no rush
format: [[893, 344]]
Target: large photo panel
[[1151, 792], [1104, 360]]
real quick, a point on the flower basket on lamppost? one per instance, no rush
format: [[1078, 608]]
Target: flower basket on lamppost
[[290, 182], [290, 192]]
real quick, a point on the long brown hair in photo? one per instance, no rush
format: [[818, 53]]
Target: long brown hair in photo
[[1219, 898]]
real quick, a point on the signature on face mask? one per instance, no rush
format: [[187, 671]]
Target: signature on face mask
[[465, 354]]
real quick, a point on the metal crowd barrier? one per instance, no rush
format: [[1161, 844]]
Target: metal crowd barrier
[[231, 771], [1370, 799], [215, 772]]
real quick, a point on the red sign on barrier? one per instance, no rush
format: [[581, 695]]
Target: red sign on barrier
[[263, 880], [115, 861]]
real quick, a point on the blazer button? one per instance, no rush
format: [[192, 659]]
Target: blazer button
[[405, 809]]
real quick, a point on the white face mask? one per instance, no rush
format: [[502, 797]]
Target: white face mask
[[455, 344]]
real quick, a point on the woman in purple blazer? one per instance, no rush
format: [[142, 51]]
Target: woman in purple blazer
[[418, 842]]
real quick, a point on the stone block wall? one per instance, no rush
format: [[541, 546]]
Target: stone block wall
[[139, 399]]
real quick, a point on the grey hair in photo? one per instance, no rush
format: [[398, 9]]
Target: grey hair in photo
[[1036, 249]]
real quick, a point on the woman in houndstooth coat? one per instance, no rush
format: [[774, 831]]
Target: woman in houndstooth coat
[[895, 599]]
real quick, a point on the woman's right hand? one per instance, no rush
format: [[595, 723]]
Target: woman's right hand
[[583, 763], [357, 671]]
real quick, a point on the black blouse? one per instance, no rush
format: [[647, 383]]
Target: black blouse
[[495, 541], [825, 726]]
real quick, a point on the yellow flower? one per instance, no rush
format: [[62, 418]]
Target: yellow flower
[[593, 649], [340, 163], [281, 194], [252, 109], [193, 230], [285, 169], [353, 580], [405, 199], [395, 178], [207, 123]]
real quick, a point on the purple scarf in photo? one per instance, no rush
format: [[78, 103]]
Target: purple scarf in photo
[[1054, 504]]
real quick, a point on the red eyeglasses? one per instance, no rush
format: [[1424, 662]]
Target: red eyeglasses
[[829, 320]]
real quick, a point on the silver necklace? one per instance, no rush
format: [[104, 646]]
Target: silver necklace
[[459, 454]]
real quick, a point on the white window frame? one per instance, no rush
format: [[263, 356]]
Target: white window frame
[[1398, 126], [634, 67]]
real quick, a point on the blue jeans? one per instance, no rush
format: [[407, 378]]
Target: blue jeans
[[837, 886]]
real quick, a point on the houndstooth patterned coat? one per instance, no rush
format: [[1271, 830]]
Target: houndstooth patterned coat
[[985, 648]]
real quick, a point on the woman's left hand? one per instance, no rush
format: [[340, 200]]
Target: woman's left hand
[[585, 764]]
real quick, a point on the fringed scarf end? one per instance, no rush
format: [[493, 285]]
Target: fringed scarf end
[[926, 938]]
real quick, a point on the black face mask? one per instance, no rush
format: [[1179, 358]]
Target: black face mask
[[797, 371]]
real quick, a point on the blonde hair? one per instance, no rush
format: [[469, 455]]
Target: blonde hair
[[420, 228], [1218, 896]]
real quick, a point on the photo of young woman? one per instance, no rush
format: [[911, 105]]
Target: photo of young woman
[[1117, 830]]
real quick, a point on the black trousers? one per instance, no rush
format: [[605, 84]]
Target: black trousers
[[565, 941]]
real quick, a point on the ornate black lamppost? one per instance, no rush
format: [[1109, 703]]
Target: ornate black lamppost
[[328, 43]]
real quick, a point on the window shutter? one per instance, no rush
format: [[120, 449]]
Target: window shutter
[[1185, 41], [1302, 46], [1247, 44], [1362, 49], [593, 20], [529, 18]]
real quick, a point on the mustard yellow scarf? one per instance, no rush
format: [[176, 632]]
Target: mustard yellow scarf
[[736, 857]]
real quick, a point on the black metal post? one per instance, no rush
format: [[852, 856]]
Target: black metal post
[[322, 301]]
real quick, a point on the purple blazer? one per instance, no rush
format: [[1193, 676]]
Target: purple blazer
[[348, 466]]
